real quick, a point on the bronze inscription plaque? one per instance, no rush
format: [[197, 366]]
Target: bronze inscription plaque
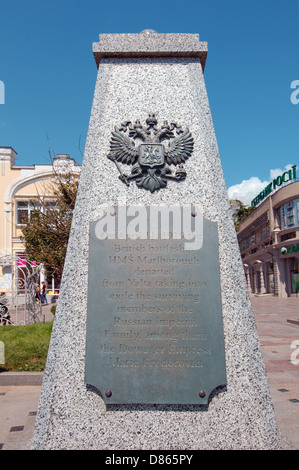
[[154, 321]]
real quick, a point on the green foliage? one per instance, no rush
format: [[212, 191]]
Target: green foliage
[[240, 212], [46, 234], [26, 347]]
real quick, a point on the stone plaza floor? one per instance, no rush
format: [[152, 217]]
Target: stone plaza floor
[[277, 323], [280, 346]]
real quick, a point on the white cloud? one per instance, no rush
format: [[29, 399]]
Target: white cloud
[[249, 189], [278, 171]]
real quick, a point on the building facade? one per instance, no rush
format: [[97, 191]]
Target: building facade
[[269, 243], [19, 186]]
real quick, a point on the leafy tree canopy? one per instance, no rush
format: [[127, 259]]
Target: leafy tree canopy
[[239, 211], [47, 230]]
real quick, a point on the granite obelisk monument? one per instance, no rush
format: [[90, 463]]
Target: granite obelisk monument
[[154, 344]]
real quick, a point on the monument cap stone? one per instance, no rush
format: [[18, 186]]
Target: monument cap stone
[[149, 43]]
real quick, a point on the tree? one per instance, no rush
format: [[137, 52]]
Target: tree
[[46, 232], [239, 212]]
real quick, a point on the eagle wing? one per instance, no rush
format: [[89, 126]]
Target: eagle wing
[[179, 149], [122, 148]]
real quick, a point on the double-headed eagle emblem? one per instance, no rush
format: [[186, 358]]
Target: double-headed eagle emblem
[[151, 159]]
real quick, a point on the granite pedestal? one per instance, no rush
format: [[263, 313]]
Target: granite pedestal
[[140, 74]]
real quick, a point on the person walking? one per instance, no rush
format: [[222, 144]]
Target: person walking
[[43, 297], [37, 294]]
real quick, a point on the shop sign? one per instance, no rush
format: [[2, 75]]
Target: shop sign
[[290, 249], [287, 176]]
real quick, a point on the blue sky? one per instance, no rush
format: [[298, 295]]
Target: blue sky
[[49, 74]]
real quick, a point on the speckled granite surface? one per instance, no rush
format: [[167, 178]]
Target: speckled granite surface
[[72, 416]]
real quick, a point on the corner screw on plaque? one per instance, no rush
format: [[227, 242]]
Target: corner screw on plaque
[[108, 393], [193, 214], [202, 394]]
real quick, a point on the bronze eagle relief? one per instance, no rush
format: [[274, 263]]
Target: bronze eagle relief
[[150, 158]]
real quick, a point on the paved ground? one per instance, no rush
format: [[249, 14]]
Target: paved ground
[[18, 315], [18, 403], [277, 336]]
